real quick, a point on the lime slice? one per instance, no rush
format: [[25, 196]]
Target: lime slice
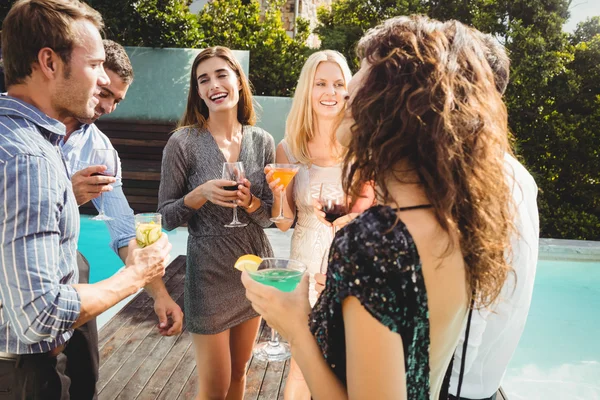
[[146, 234], [153, 235]]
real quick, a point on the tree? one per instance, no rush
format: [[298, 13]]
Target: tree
[[553, 98], [341, 27], [151, 23], [275, 58], [586, 30]]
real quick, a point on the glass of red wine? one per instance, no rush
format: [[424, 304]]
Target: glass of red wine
[[234, 172], [333, 201], [110, 159]]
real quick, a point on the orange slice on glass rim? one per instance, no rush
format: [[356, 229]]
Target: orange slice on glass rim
[[248, 262]]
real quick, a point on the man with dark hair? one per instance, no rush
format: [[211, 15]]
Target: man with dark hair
[[494, 333], [495, 55], [82, 137], [53, 55]]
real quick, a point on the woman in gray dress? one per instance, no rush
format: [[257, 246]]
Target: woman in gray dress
[[217, 127]]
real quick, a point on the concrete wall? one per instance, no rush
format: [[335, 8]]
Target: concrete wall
[[160, 89]]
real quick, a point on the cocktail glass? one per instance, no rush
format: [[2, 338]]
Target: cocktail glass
[[285, 173], [283, 274]]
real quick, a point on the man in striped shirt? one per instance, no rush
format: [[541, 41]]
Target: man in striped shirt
[[53, 57]]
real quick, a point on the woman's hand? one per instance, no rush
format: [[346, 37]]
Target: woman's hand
[[338, 223], [274, 184], [320, 282], [319, 213], [213, 191], [243, 193], [287, 313], [344, 220]]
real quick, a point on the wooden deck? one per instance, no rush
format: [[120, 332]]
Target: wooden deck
[[137, 363]]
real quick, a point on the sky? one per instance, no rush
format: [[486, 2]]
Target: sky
[[580, 10]]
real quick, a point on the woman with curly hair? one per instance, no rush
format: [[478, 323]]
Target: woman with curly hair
[[424, 123]]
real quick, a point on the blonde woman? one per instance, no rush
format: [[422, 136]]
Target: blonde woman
[[310, 141]]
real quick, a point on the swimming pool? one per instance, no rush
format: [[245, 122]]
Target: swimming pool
[[559, 353]]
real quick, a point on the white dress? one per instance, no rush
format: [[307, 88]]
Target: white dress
[[311, 238]]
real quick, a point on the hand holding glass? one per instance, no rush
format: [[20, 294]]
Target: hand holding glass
[[285, 173], [333, 201], [110, 159], [283, 274], [234, 172]]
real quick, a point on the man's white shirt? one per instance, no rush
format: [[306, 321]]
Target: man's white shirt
[[495, 333]]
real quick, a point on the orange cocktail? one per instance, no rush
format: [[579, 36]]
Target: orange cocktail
[[285, 173]]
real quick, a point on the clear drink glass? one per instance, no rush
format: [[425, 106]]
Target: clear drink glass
[[110, 158], [333, 201], [285, 173], [234, 172], [148, 228], [283, 274]]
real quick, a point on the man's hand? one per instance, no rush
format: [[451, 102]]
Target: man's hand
[[87, 187], [150, 262], [170, 316]]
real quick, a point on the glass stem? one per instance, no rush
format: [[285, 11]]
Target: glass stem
[[235, 218], [281, 205], [274, 342], [101, 203]]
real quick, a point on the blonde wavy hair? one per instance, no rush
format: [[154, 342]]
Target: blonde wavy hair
[[429, 99], [299, 127]]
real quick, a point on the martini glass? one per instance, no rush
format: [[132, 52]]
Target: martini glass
[[285, 173], [283, 274]]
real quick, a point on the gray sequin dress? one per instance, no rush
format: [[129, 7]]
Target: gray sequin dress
[[214, 296]]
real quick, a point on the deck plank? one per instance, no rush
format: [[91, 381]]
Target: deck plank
[[124, 315], [142, 312], [272, 381], [177, 381], [149, 365], [130, 345], [165, 369], [256, 368]]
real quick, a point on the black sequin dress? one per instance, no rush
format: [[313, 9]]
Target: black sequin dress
[[375, 259]]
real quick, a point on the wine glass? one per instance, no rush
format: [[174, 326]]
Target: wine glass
[[285, 173], [110, 159], [234, 172], [333, 201], [283, 274]]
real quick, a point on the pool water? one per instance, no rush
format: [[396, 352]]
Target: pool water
[[94, 242], [558, 356]]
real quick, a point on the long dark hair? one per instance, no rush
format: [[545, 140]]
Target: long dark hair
[[429, 101], [196, 111]]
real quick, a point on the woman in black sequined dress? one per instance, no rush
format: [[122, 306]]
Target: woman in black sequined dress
[[426, 124]]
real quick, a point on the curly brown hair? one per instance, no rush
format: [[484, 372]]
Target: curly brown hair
[[428, 100]]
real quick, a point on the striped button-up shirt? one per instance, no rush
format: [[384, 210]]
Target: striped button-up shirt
[[39, 231], [77, 152]]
